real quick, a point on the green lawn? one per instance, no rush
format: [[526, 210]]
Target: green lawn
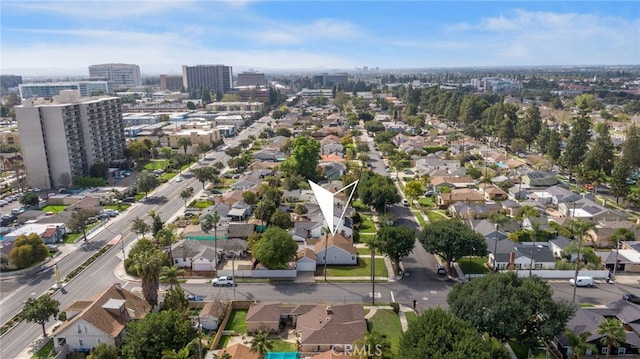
[[363, 269], [167, 176], [224, 341], [54, 209], [586, 305], [387, 323], [421, 220], [201, 204], [426, 201], [521, 350], [359, 206], [475, 266], [411, 317], [117, 207], [436, 215], [280, 345], [238, 321], [44, 352], [365, 251], [367, 225], [156, 165]]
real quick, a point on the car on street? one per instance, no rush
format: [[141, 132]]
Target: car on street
[[441, 270], [225, 280], [631, 298], [405, 203], [194, 298], [582, 281], [128, 199]]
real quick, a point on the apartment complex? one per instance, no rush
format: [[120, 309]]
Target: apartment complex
[[122, 75], [215, 78], [63, 137], [50, 89], [171, 82], [249, 78]]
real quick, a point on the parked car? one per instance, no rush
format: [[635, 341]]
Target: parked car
[[194, 298], [405, 203], [225, 280], [441, 270], [582, 281], [3, 202], [216, 191], [631, 298], [17, 211], [129, 199]]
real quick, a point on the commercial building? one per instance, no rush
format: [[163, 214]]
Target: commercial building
[[215, 78], [122, 75], [63, 137], [328, 80], [10, 81], [50, 89], [171, 82], [249, 78]]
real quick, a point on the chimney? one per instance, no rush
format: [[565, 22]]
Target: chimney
[[512, 259], [329, 310]]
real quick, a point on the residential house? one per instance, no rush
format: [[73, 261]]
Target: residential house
[[330, 139], [192, 254], [331, 327], [50, 233], [555, 195], [240, 230], [306, 260], [539, 179], [493, 193], [627, 257], [102, 320], [246, 183], [269, 155], [335, 250], [452, 182], [542, 222], [332, 148], [240, 211], [239, 351], [231, 197], [466, 195], [265, 316], [558, 245], [588, 210], [333, 170], [473, 211], [220, 207], [305, 230], [518, 256], [489, 230], [432, 162], [512, 208], [212, 314]]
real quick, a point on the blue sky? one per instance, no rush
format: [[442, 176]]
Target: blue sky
[[66, 36]]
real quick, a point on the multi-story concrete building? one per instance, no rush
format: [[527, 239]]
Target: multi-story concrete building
[[10, 81], [249, 78], [327, 80], [63, 137], [50, 89], [215, 78], [122, 75], [171, 83]]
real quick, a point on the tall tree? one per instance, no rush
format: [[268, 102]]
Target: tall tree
[[140, 227], [554, 147], [438, 333], [176, 299], [304, 158], [212, 220], [613, 333], [185, 194], [156, 222], [451, 239], [184, 142], [577, 145], [631, 146], [40, 310], [204, 174], [29, 199], [28, 250], [145, 182], [275, 249], [148, 265], [619, 178], [397, 242], [509, 307], [601, 153], [170, 274], [80, 220], [528, 127], [377, 191], [149, 336]]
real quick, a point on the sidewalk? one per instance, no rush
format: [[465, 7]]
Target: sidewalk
[[401, 314]]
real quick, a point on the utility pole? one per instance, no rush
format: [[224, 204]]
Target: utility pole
[[575, 276]]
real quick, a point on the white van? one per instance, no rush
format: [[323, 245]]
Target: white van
[[582, 281]]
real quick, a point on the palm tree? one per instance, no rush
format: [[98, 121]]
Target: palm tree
[[212, 220], [223, 355], [140, 227], [372, 242], [580, 229], [375, 343], [186, 194], [578, 343], [170, 274], [621, 235], [261, 343], [180, 354], [184, 142], [498, 219], [613, 333], [147, 266]]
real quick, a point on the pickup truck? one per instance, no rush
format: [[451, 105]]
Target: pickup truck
[[228, 281]]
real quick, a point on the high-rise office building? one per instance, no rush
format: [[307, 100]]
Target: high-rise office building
[[63, 137], [50, 89], [215, 78], [171, 83], [10, 81], [122, 75], [249, 78]]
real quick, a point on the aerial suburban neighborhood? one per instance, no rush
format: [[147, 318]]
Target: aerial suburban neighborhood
[[373, 212]]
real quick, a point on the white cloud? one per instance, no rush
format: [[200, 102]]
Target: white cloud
[[289, 33], [101, 9]]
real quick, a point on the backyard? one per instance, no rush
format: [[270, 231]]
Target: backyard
[[238, 321], [363, 269]]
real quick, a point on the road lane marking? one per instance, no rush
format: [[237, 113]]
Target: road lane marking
[[393, 300]]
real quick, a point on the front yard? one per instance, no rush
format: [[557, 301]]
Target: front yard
[[367, 225], [387, 323], [474, 266], [363, 269]]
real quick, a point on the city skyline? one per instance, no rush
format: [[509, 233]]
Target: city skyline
[[62, 38]]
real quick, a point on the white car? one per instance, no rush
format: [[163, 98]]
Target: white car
[[178, 179], [226, 280], [405, 203]]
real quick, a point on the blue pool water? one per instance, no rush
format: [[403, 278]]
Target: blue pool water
[[281, 355]]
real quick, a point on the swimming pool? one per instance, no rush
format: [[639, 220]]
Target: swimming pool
[[282, 355]]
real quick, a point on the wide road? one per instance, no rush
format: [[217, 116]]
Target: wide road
[[99, 276]]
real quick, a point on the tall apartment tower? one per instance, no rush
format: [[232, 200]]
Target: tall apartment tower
[[122, 75], [215, 78], [63, 137], [249, 78], [171, 82]]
